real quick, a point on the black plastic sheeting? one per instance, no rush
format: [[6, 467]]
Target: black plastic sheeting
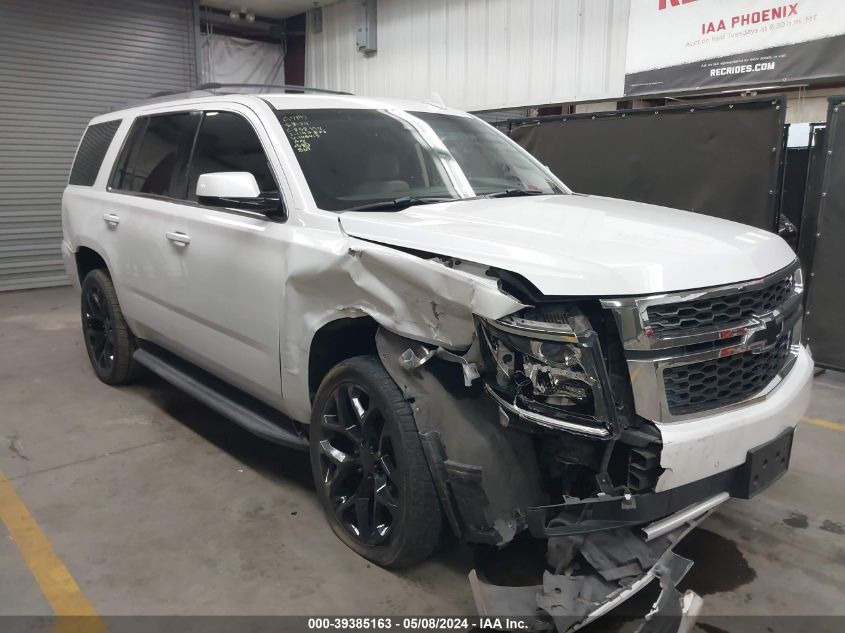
[[720, 159], [796, 165], [812, 202], [826, 300]]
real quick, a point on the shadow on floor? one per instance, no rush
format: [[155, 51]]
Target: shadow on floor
[[273, 461]]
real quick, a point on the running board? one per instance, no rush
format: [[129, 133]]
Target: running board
[[226, 400]]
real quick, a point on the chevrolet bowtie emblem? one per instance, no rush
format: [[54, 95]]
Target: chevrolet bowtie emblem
[[772, 329]]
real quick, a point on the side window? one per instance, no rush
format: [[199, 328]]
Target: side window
[[227, 142], [120, 176], [155, 156], [91, 152]]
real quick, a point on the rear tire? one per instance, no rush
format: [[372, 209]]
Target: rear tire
[[369, 468], [108, 340]]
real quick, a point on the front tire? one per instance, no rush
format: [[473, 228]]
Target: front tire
[[109, 342], [369, 468]]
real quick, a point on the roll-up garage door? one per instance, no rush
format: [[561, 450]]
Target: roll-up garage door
[[61, 63]]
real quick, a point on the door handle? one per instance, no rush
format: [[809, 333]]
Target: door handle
[[112, 219], [179, 238]]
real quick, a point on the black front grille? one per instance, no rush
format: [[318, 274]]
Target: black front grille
[[722, 381], [718, 311]]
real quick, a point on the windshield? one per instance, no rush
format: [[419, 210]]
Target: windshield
[[357, 158]]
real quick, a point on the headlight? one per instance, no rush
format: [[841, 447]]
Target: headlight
[[550, 371]]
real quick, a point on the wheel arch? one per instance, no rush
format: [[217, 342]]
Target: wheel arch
[[336, 341], [88, 259]]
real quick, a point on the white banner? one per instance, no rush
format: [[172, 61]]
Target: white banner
[[234, 60], [745, 40]]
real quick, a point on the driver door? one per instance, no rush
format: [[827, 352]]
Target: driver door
[[228, 264]]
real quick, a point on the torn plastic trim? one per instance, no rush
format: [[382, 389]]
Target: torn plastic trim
[[619, 569], [582, 516], [416, 356], [670, 570], [486, 474], [435, 455]]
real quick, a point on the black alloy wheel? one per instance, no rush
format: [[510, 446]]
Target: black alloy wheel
[[358, 465], [97, 324], [369, 467], [109, 342]]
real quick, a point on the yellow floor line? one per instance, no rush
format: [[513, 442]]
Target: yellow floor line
[[75, 613], [825, 424]]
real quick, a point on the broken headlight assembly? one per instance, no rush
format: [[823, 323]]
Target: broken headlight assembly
[[546, 367]]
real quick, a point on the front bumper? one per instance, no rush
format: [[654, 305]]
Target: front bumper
[[764, 464], [699, 448], [623, 543]]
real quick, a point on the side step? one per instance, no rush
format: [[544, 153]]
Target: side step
[[253, 415]]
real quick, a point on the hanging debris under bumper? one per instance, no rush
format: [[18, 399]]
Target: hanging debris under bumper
[[593, 574]]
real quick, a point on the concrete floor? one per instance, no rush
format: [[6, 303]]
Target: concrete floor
[[157, 505]]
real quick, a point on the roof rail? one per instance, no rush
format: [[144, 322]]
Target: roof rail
[[218, 86], [165, 95]]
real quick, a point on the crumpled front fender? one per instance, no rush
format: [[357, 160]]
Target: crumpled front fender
[[422, 299]]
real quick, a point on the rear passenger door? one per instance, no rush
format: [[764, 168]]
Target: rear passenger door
[[148, 178], [225, 279]]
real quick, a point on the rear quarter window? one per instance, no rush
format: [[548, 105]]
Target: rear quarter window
[[92, 150]]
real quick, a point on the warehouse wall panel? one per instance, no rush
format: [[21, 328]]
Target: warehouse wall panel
[[476, 54], [61, 63]]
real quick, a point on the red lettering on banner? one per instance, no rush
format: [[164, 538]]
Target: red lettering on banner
[[662, 3], [712, 27], [767, 15]]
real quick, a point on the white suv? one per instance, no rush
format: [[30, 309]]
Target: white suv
[[459, 340]]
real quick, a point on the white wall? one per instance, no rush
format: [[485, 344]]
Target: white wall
[[600, 106], [809, 106], [476, 54], [802, 106]]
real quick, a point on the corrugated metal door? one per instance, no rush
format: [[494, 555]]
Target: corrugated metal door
[[61, 63]]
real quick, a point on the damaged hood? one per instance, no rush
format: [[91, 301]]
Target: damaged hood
[[578, 245]]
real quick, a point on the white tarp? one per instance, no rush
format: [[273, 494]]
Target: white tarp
[[228, 59], [689, 44]]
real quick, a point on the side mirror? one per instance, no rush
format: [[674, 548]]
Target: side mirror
[[227, 184], [236, 189]]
